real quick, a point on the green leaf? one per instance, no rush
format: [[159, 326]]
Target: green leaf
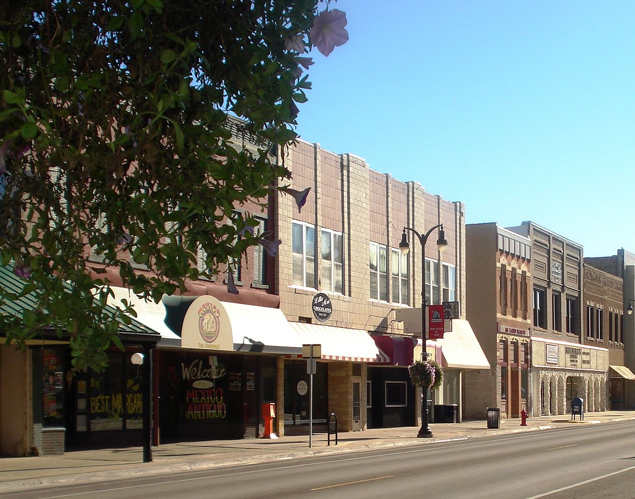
[[10, 97], [135, 24], [168, 56], [29, 131]]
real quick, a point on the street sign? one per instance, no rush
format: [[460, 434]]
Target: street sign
[[436, 321], [311, 351], [452, 309]]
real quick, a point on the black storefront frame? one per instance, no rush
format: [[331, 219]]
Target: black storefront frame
[[212, 395]]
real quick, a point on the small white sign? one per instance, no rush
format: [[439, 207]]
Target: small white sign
[[303, 388]]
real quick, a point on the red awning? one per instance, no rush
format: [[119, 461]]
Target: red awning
[[397, 350]]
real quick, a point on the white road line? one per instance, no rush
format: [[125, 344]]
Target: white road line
[[573, 486]]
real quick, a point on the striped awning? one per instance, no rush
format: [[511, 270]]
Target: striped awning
[[621, 372], [340, 343]]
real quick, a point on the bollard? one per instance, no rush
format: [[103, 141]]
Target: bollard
[[332, 428]]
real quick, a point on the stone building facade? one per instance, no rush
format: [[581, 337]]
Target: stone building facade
[[561, 368], [345, 244]]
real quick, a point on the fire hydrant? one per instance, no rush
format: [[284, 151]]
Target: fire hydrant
[[523, 417]]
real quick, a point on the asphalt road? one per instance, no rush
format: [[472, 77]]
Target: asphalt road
[[596, 461]]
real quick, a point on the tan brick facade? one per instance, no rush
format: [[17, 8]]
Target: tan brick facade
[[365, 206]]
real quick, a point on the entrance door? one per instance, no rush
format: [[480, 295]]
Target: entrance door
[[357, 406]]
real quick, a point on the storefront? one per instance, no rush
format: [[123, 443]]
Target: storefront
[[229, 363], [562, 371], [391, 396], [340, 380], [46, 409]]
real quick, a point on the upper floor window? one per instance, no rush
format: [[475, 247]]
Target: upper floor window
[[503, 289], [378, 275], [600, 324], [432, 282], [449, 282], [259, 260], [590, 321], [303, 245], [399, 274], [572, 326], [332, 261], [540, 308], [556, 311]]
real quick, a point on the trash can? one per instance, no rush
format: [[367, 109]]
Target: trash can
[[493, 417]]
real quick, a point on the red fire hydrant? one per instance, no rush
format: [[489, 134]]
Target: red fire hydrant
[[523, 417]]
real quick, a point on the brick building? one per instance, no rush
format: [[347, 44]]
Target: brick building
[[498, 292], [345, 244]]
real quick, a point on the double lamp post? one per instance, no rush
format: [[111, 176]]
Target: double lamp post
[[404, 246]]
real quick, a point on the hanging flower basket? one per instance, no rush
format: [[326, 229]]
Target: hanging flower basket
[[426, 373]]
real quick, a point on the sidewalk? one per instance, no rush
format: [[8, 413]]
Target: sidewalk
[[110, 464]]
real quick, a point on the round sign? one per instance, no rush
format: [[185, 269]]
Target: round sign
[[302, 388], [322, 307]]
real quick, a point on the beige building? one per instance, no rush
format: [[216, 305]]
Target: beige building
[[561, 368], [343, 248]]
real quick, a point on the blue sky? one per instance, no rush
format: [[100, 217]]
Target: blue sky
[[521, 110]]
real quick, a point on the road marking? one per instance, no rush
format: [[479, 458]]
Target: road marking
[[352, 483], [563, 447], [591, 480]]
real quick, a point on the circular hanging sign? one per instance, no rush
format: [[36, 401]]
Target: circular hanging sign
[[302, 388], [322, 307]]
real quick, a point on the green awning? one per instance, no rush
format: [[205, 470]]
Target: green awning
[[10, 283]]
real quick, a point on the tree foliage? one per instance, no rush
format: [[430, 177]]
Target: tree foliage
[[116, 145]]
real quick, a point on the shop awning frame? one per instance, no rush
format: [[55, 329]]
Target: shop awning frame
[[339, 343], [622, 372]]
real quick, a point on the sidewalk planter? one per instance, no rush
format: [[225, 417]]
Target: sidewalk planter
[[493, 417]]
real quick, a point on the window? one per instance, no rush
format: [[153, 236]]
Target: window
[[449, 282], [502, 352], [571, 325], [399, 276], [523, 294], [331, 262], [619, 327], [540, 308], [259, 261], [556, 312], [514, 293], [611, 331], [503, 289], [600, 324], [432, 282], [396, 394], [303, 244], [503, 384], [378, 275], [589, 321]]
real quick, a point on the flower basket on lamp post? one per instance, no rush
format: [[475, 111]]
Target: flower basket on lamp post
[[427, 374]]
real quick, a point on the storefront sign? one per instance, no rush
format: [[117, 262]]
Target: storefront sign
[[552, 354], [303, 388], [573, 357], [206, 326], [512, 330], [322, 307], [436, 322]]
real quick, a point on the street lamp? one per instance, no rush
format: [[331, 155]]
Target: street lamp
[[404, 246], [629, 309]]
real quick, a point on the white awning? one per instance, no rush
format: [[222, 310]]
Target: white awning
[[339, 343], [460, 348], [150, 314], [622, 372], [210, 324]]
